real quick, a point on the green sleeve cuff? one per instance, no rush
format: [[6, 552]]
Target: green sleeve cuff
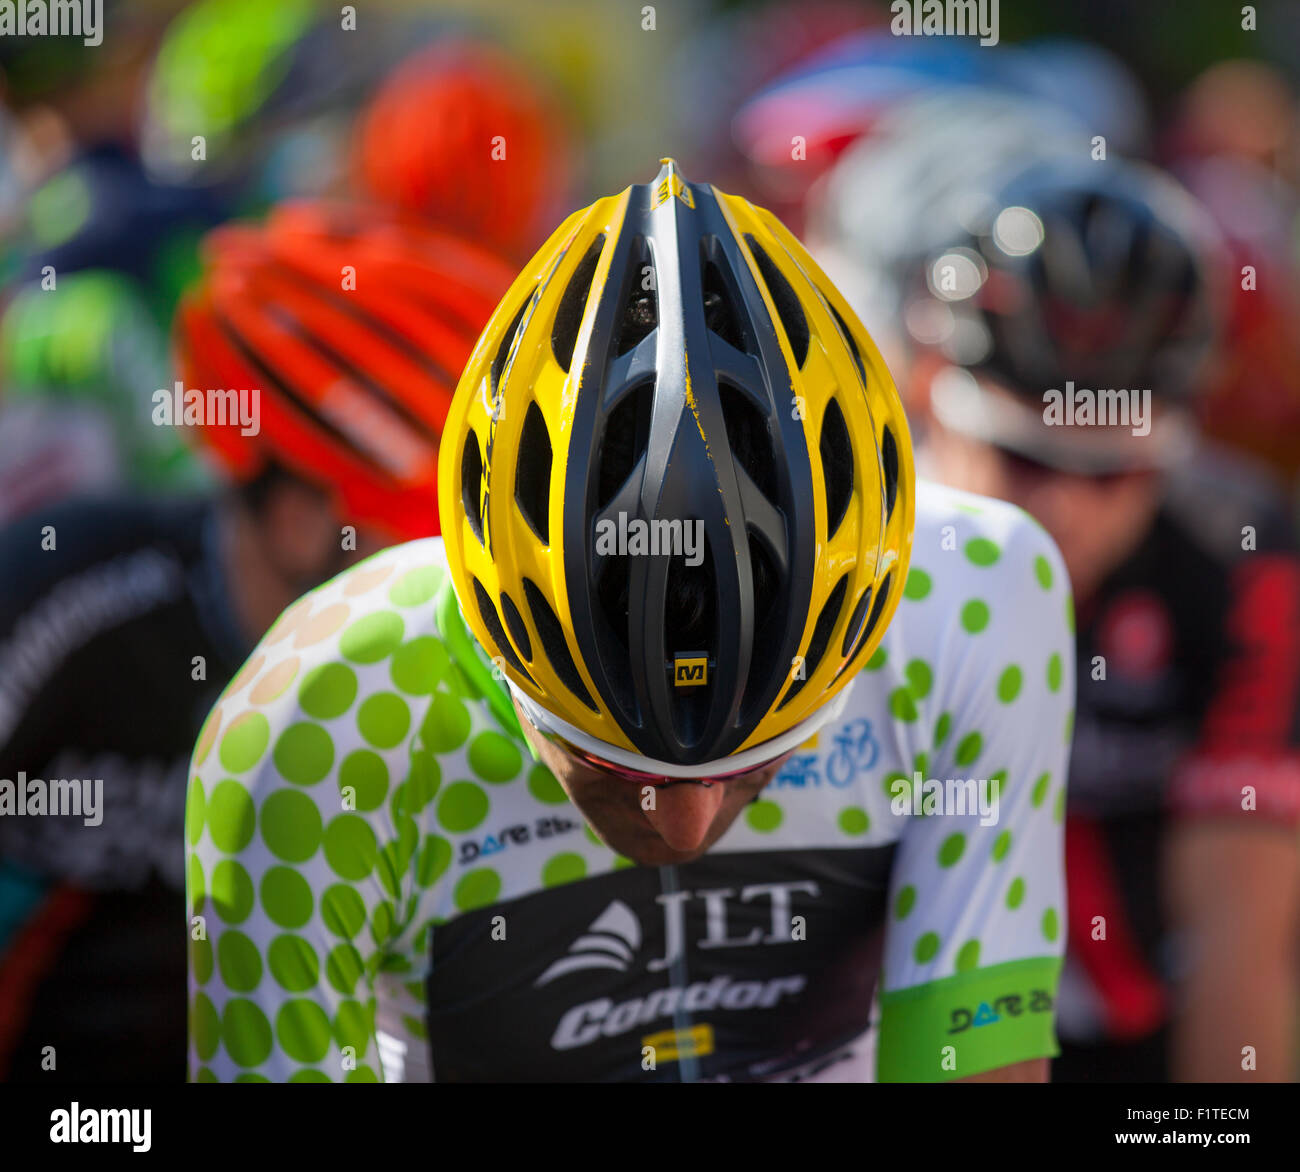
[[970, 1023]]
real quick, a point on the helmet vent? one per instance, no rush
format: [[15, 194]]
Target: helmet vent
[[471, 484], [837, 466], [568, 318], [533, 474], [554, 644], [719, 297], [690, 603], [855, 621], [488, 613], [881, 596], [518, 632], [640, 305], [503, 350], [848, 339], [624, 442], [889, 461], [785, 299], [749, 439], [821, 637]]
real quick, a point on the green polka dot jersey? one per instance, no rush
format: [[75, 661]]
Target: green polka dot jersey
[[351, 794]]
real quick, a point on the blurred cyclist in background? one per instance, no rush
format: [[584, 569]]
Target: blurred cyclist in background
[[1182, 860], [463, 135], [122, 618]]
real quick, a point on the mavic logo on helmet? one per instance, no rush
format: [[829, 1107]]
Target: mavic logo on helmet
[[690, 671]]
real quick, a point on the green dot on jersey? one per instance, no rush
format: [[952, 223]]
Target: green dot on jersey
[[291, 825], [902, 705], [1041, 787], [201, 960], [415, 586], [342, 910], [293, 963], [897, 787], [969, 748], [303, 753], [1009, 684], [1016, 893], [763, 816], [239, 962], [927, 947], [372, 638], [543, 786], [462, 806], [1054, 672], [365, 775], [205, 1026], [904, 902], [942, 728], [435, 858], [1001, 846], [854, 820], [383, 719], [495, 757], [918, 584], [446, 724], [327, 691], [286, 897], [920, 678], [344, 968], [975, 616], [231, 817], [383, 920], [244, 742], [309, 1075], [950, 850], [418, 665], [1043, 572], [1069, 612], [245, 1032], [423, 781], [350, 848], [1051, 924], [563, 868], [878, 659], [981, 551], [197, 891], [195, 811], [232, 891], [477, 888], [353, 1025], [303, 1030], [968, 956]]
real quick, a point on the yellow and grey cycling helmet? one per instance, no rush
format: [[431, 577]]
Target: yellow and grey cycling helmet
[[676, 484]]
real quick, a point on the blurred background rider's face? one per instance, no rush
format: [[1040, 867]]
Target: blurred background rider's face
[[1096, 520]]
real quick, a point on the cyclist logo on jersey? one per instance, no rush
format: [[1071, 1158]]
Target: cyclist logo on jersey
[[854, 750]]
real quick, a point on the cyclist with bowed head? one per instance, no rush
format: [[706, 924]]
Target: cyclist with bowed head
[[506, 804]]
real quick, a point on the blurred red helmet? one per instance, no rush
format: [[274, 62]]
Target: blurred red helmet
[[354, 328], [462, 134]]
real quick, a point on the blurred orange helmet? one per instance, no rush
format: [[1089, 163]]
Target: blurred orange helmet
[[463, 134], [354, 328]]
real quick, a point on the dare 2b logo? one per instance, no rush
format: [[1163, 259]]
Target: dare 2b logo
[[519, 834]]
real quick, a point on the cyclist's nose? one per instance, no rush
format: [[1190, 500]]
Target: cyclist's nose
[[683, 814]]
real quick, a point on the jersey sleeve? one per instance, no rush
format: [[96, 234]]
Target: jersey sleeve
[[976, 922], [1246, 763], [310, 859]]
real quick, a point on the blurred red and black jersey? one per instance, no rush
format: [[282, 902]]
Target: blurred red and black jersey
[[1188, 707]]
